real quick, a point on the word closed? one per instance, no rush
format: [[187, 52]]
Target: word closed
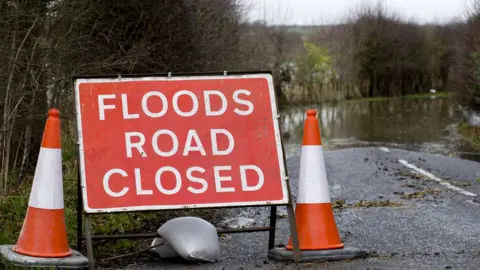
[[163, 143]]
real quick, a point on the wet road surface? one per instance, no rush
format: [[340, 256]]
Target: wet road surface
[[409, 210]]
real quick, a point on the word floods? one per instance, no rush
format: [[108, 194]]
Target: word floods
[[151, 143]]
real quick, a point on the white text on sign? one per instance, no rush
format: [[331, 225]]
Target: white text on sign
[[135, 142], [102, 106]]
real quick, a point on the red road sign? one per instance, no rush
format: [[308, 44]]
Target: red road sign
[[151, 143]]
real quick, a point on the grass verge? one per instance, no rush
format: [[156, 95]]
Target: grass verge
[[13, 208], [428, 95], [420, 95], [470, 133], [305, 103]]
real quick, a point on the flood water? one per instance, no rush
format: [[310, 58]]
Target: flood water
[[420, 124]]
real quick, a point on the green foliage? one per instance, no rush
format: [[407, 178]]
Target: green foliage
[[475, 87], [476, 90], [370, 54], [318, 58], [465, 69], [314, 69], [476, 64], [395, 57], [373, 55]]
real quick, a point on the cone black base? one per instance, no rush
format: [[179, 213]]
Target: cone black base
[[74, 261], [346, 253]]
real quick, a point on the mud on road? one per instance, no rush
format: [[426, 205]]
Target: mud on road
[[406, 209]]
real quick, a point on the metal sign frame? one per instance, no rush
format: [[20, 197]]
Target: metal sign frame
[[81, 196], [276, 130]]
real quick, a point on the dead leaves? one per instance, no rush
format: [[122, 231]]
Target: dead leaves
[[385, 203]]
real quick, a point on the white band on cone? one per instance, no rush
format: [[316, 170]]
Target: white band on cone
[[313, 184], [47, 188]]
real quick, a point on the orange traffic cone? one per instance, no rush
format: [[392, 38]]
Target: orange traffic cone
[[313, 212], [44, 233]]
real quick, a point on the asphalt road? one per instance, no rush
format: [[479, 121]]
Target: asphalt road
[[436, 225]]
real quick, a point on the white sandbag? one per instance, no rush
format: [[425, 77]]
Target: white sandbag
[[165, 250], [194, 239]]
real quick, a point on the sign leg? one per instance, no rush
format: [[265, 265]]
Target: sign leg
[[273, 224], [293, 231], [291, 212], [88, 237], [79, 214]]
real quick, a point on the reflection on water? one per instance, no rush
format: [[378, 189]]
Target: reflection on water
[[426, 125]]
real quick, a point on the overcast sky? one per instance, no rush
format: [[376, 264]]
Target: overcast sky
[[331, 11]]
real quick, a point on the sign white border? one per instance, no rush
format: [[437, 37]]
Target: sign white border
[[278, 141]]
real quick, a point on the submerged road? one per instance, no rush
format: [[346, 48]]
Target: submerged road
[[409, 210]]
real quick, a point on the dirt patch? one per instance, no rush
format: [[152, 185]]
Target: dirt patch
[[412, 175], [415, 185], [384, 203], [433, 191], [421, 194], [413, 195], [460, 183]]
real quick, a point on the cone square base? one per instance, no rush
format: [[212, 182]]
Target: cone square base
[[74, 261], [346, 253]]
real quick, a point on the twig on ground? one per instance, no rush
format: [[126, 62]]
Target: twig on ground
[[132, 253]]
